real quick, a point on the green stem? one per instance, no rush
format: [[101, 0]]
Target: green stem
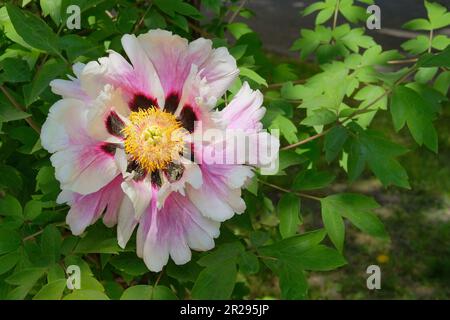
[[431, 40], [295, 145], [241, 5], [303, 195], [16, 105], [336, 12], [34, 235]]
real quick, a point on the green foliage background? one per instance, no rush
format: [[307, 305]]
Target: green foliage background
[[324, 104]]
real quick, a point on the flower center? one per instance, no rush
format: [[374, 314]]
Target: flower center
[[153, 138]]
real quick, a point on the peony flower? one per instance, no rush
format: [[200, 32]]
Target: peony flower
[[123, 146]]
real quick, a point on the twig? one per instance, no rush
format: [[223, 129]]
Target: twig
[[13, 101], [156, 282], [304, 195], [141, 20], [199, 30], [291, 146], [405, 61], [430, 41], [278, 85], [234, 15], [34, 235], [336, 12]]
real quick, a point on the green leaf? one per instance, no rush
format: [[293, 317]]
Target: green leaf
[[129, 263], [55, 272], [163, 293], [223, 253], [10, 207], [418, 24], [284, 72], [408, 107], [424, 75], [51, 244], [86, 295], [146, 292], [319, 117], [185, 273], [334, 224], [8, 112], [286, 247], [9, 240], [316, 6], [334, 142], [238, 29], [138, 292], [15, 70], [379, 153], [417, 45], [49, 71], [312, 180], [52, 8], [98, 240], [288, 211], [18, 293], [8, 261], [213, 5], [441, 59], [293, 283], [32, 210], [320, 258], [438, 15], [252, 75], [442, 83], [352, 13], [440, 42], [11, 179], [358, 209], [33, 30], [215, 282], [46, 181], [26, 277], [51, 291], [309, 41], [324, 15], [238, 51], [286, 127], [248, 263]]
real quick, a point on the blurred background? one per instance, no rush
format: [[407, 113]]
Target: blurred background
[[415, 264], [279, 21]]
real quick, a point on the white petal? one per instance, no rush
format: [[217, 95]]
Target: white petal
[[140, 194], [126, 222]]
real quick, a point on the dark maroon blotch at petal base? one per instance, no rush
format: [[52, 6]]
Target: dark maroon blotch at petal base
[[156, 179], [114, 124], [141, 101], [187, 118], [174, 171], [109, 148], [172, 102], [139, 173]]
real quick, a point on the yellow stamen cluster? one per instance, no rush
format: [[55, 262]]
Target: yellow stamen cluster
[[153, 138]]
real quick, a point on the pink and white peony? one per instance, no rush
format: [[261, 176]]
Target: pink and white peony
[[122, 144]]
